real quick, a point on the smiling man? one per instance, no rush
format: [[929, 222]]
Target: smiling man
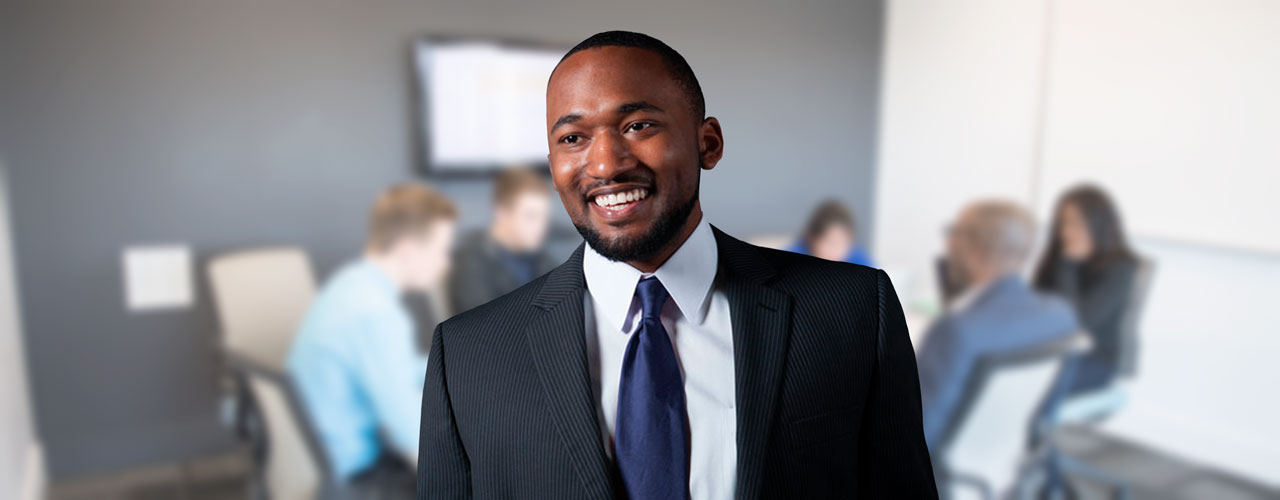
[[666, 359]]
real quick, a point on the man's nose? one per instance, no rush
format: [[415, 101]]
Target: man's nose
[[610, 155]]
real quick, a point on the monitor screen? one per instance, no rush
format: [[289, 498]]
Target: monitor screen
[[483, 103]]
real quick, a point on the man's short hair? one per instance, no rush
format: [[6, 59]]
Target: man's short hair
[[405, 210], [511, 183], [675, 63], [1003, 231]]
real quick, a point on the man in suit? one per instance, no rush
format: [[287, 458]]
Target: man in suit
[[666, 359], [508, 253], [996, 311]]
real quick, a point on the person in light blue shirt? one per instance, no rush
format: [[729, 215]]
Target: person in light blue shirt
[[831, 234], [355, 358]]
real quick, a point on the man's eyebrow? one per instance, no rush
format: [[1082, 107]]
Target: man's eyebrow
[[632, 107], [565, 120]]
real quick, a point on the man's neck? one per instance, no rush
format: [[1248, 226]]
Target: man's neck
[[984, 279], [500, 234], [388, 265], [975, 287], [652, 264]]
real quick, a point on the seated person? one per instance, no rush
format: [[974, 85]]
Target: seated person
[[354, 358], [1088, 262], [509, 253], [832, 235], [997, 311]]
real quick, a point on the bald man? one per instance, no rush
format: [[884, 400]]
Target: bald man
[[996, 311]]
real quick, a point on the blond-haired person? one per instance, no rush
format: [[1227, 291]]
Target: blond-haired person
[[354, 358]]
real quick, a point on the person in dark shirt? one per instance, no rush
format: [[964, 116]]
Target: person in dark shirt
[[1088, 262], [508, 253]]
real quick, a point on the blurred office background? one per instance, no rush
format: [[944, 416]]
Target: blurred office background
[[202, 128]]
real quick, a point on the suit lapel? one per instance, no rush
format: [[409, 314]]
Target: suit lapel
[[557, 340], [761, 318]]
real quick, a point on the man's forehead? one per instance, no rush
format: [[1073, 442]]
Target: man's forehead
[[606, 77]]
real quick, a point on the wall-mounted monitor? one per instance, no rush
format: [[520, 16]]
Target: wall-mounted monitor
[[482, 103]]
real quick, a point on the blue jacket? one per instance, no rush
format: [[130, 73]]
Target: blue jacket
[[1008, 315], [856, 255]]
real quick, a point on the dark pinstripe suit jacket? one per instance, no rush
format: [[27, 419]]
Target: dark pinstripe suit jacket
[[827, 392]]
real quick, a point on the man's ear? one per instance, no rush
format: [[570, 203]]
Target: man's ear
[[710, 143]]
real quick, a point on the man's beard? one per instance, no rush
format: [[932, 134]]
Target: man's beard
[[666, 228]]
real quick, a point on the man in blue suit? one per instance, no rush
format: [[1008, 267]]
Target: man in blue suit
[[997, 311]]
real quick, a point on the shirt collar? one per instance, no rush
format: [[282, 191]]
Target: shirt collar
[[971, 295], [687, 275], [377, 277]]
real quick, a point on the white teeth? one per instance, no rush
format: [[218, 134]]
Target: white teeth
[[606, 200]]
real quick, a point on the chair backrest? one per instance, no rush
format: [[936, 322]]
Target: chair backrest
[[261, 296], [1129, 326], [1002, 400], [295, 463]]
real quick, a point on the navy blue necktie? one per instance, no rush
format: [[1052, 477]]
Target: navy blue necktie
[[650, 443]]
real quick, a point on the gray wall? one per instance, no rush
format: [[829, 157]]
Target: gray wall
[[232, 123]]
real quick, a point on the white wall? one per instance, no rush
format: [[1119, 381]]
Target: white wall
[[21, 463], [958, 116], [1171, 105]]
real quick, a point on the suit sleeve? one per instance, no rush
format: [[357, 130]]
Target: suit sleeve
[[443, 469], [893, 460]]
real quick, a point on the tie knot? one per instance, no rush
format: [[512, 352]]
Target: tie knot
[[652, 297]]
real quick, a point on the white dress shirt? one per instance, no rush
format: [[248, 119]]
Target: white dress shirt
[[697, 320]]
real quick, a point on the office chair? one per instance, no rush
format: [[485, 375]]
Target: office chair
[[294, 465], [982, 453], [1093, 408], [261, 296]]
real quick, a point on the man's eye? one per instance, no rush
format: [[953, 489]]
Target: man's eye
[[638, 126], [569, 139]]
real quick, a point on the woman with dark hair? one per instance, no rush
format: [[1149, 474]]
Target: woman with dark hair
[[1088, 262], [831, 234]]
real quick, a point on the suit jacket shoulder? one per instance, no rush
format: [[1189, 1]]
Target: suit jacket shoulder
[[823, 356], [836, 280], [833, 293]]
